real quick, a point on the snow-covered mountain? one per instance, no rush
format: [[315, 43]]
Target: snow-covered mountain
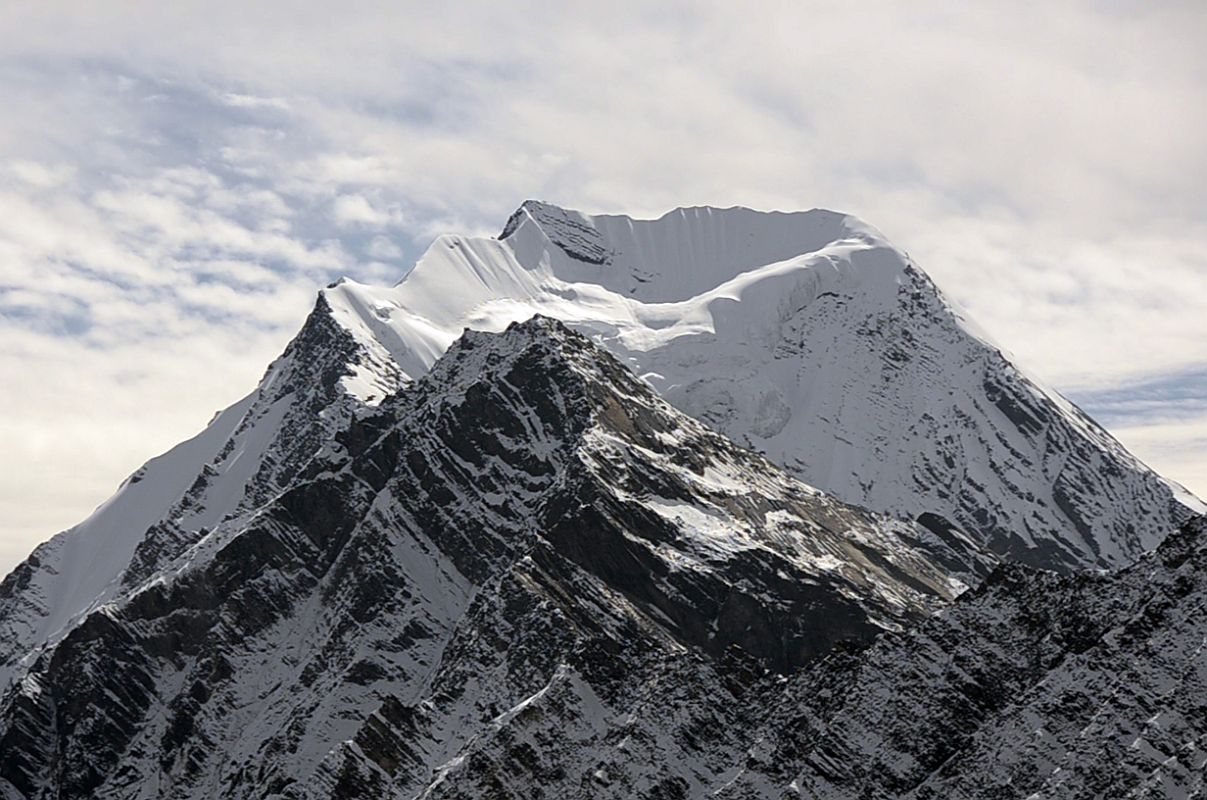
[[420, 561], [808, 337], [527, 470]]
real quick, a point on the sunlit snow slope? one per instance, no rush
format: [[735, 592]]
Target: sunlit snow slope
[[808, 337]]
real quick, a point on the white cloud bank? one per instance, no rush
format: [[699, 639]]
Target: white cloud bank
[[178, 178]]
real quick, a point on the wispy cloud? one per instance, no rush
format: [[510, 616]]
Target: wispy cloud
[[175, 186], [236, 100]]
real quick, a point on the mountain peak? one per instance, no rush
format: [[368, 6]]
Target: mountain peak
[[526, 509], [719, 241], [616, 506], [536, 210], [808, 336]]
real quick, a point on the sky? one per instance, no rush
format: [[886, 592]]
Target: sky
[[177, 180]]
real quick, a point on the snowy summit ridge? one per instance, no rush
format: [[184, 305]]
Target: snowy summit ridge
[[807, 336]]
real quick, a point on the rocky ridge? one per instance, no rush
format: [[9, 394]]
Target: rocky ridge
[[529, 467]]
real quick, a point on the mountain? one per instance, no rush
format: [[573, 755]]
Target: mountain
[[806, 336], [810, 338], [527, 510], [690, 539]]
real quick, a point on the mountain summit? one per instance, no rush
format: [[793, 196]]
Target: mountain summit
[[808, 337]]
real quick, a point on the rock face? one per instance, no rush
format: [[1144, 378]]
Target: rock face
[[1034, 685], [528, 510]]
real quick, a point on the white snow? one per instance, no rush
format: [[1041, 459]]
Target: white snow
[[795, 334]]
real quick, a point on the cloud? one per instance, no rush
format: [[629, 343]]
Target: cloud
[[382, 248], [175, 189], [237, 100], [353, 210], [42, 176]]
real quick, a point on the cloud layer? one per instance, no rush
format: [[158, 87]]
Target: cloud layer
[[177, 181]]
